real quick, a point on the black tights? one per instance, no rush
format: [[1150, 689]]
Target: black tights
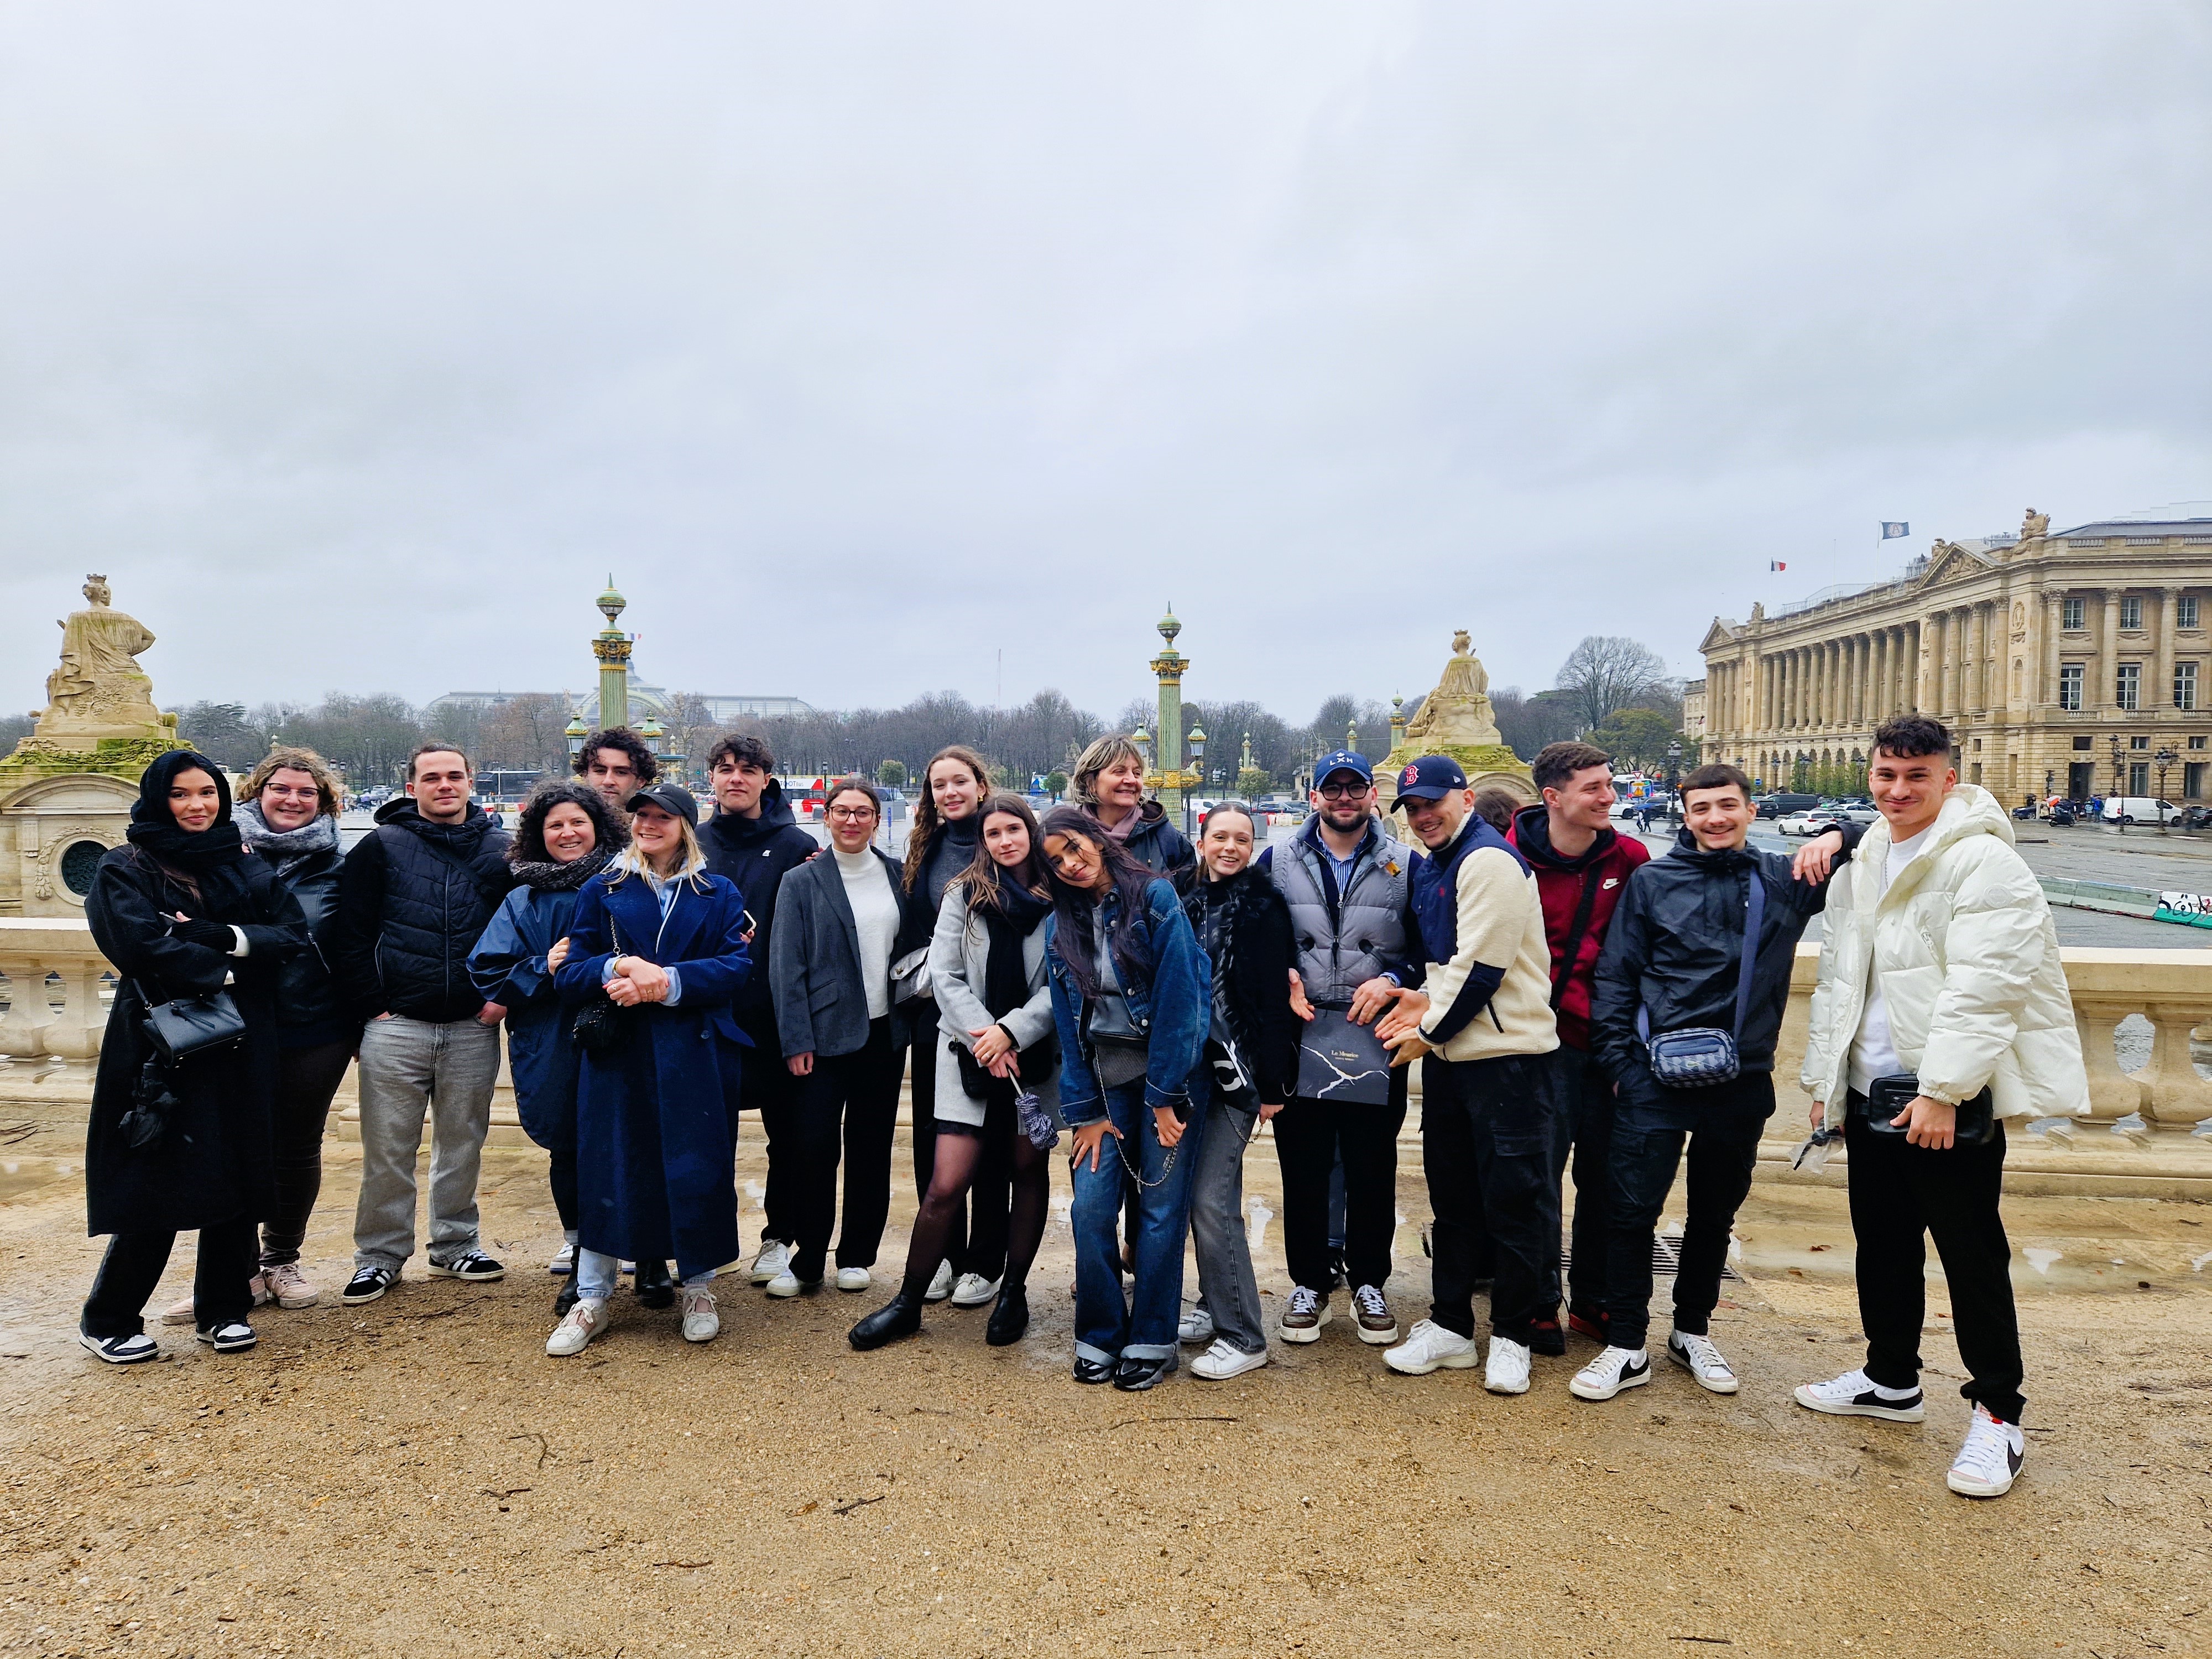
[[943, 1209]]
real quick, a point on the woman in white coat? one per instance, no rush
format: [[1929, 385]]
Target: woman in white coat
[[996, 1067]]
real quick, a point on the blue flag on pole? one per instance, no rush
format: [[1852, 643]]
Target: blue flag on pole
[[1892, 528]]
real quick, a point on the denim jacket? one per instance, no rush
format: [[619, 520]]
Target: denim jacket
[[1173, 1004]]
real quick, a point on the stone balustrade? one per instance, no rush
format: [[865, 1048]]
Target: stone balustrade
[[55, 1008]]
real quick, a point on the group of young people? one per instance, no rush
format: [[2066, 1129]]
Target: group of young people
[[1576, 1006]]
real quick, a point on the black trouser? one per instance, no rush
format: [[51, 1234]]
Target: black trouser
[[922, 1095], [1586, 1143], [222, 1276], [767, 1087], [1487, 1131], [560, 1176], [305, 1080], [1721, 1124], [1900, 1193], [854, 1096], [1309, 1137]]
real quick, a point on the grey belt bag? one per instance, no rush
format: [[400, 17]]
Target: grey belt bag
[[1120, 1044]]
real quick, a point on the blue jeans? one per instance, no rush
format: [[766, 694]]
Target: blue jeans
[[1107, 1328], [595, 1276]]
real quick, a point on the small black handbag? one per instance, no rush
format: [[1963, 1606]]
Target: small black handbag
[[185, 1026], [1119, 1045], [600, 1026]]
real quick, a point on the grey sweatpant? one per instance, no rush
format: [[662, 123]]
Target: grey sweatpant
[[409, 1067]]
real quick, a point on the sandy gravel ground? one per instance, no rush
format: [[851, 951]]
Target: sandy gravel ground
[[414, 1478]]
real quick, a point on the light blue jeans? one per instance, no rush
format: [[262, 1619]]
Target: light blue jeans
[[596, 1275]]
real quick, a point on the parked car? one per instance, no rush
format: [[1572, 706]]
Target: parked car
[[1852, 812], [1774, 805], [1811, 821], [2139, 809]]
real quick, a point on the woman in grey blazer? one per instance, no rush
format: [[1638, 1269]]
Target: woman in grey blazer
[[1000, 1053]]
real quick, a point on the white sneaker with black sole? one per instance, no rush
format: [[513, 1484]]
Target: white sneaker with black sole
[[231, 1336], [973, 1290], [940, 1283], [774, 1258], [1697, 1355], [1855, 1394], [1224, 1359], [472, 1265], [1507, 1369], [133, 1350], [1428, 1348], [1613, 1369], [1197, 1326], [366, 1285], [1990, 1462]]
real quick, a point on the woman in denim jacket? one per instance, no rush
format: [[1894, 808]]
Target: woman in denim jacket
[[1118, 941]]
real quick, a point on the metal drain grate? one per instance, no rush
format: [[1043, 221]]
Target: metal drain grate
[[1666, 1259]]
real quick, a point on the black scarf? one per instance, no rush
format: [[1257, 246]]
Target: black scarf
[[215, 856], [553, 878], [1007, 924]]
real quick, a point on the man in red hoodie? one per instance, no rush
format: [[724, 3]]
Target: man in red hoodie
[[1582, 865]]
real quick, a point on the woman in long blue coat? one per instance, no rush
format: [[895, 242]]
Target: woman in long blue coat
[[567, 833], [663, 943]]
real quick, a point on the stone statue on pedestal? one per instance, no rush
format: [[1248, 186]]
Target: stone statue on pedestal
[[97, 691], [1456, 720]]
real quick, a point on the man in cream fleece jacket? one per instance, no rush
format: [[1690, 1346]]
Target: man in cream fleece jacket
[[1490, 1094]]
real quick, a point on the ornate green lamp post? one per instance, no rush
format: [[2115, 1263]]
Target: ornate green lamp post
[[611, 646]]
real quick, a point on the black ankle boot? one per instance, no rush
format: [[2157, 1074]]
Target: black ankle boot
[[566, 1299], [654, 1286], [1010, 1317], [900, 1316]]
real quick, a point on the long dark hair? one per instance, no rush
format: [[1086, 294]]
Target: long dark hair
[[1076, 910], [921, 840], [984, 879]]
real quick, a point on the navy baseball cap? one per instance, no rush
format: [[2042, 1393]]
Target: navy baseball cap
[[1431, 778], [670, 797], [1342, 760]]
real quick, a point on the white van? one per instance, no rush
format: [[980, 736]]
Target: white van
[[2139, 809]]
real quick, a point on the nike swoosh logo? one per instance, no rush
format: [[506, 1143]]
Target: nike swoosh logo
[[1610, 881]]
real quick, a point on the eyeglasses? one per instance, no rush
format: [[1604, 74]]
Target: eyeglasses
[[852, 814], [1344, 791]]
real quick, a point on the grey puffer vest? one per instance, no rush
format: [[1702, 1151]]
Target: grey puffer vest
[[1368, 934]]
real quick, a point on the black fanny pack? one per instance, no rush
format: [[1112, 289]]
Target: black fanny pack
[[1888, 1096]]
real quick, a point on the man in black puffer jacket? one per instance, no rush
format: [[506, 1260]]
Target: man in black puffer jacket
[[414, 897], [754, 839]]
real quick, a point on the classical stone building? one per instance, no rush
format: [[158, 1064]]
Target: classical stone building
[[2053, 657]]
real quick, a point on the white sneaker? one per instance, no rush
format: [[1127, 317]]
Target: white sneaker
[[1854, 1395], [1697, 1355], [853, 1279], [1302, 1320], [774, 1258], [973, 1290], [1428, 1347], [1225, 1360], [1197, 1326], [1990, 1462], [182, 1313], [701, 1322], [564, 1260], [1508, 1369], [940, 1283], [583, 1321], [1613, 1369], [785, 1284]]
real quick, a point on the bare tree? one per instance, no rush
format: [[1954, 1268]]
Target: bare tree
[[525, 733], [1608, 672]]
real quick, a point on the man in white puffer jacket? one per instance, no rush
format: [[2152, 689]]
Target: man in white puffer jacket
[[1941, 989]]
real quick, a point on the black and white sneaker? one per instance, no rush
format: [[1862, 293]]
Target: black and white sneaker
[[133, 1350], [471, 1264], [231, 1336], [1990, 1462], [1854, 1395], [367, 1285], [1613, 1369]]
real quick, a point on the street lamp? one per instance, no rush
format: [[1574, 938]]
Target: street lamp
[[575, 734], [1143, 740], [2163, 759], [2119, 790], [1197, 741]]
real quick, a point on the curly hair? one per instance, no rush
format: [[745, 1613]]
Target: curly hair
[[618, 736], [295, 760], [529, 845]]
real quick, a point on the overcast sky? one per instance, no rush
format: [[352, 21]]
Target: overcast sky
[[357, 345]]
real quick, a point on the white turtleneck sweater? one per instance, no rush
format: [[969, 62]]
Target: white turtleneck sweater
[[875, 904]]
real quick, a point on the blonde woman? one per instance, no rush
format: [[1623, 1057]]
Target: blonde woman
[[1109, 785], [663, 943]]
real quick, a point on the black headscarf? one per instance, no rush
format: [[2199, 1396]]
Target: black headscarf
[[155, 829]]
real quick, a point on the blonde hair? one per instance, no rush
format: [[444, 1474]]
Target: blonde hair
[[1105, 751], [295, 760], [690, 863]]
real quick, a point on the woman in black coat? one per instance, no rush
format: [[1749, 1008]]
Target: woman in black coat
[[183, 911], [1252, 1063]]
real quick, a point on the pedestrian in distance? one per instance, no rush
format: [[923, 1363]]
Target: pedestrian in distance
[[945, 843], [754, 839], [1250, 1065], [656, 953], [1482, 1025], [288, 813], [1343, 878], [179, 1138], [1132, 1003], [1001, 1054], [1495, 804], [617, 762], [837, 919], [1941, 1011], [1108, 783], [565, 835], [1686, 1004]]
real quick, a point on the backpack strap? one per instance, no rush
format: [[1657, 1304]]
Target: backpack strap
[[1755, 914]]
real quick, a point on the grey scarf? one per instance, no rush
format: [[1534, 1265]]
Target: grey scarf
[[288, 849]]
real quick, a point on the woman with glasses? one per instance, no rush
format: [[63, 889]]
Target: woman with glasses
[[829, 967], [1131, 1002]]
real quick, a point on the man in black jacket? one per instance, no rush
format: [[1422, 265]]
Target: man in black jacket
[[754, 839], [414, 895], [1675, 954]]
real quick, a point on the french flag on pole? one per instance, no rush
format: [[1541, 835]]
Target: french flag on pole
[[1892, 528], [1778, 564]]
